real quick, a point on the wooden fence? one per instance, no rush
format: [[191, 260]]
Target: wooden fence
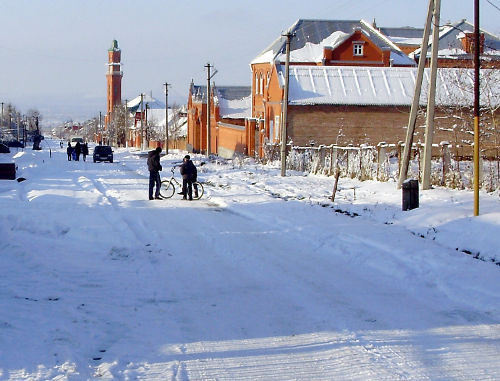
[[382, 163]]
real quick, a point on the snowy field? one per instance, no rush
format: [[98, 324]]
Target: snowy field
[[262, 279]]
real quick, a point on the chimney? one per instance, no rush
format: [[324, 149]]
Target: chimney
[[467, 39]]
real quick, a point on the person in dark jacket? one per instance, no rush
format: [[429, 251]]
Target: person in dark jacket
[[189, 175], [78, 150], [154, 167], [85, 151], [69, 151]]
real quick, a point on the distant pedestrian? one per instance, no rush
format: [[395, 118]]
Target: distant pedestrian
[[189, 176], [61, 144], [78, 150], [69, 151], [154, 168], [85, 151]]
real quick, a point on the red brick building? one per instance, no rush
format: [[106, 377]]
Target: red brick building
[[229, 108], [349, 84]]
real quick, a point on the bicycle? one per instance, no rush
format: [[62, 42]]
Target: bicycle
[[167, 187]]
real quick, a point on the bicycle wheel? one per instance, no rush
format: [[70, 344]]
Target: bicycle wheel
[[167, 189], [197, 190]]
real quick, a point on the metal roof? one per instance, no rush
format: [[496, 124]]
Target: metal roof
[[382, 86], [315, 31], [233, 92]]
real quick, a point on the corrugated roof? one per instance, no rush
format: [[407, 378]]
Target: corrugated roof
[[235, 102], [382, 86]]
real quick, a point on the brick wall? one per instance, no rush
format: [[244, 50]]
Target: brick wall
[[357, 125]]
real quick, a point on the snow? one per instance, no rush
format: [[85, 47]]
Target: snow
[[406, 40], [314, 52], [236, 108], [262, 279], [355, 85]]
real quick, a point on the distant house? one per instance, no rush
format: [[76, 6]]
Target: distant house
[[456, 47], [147, 122], [229, 108]]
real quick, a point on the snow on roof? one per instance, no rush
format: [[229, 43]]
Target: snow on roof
[[311, 36], [382, 86], [199, 93], [236, 109], [314, 52], [153, 103], [234, 102], [450, 45], [156, 119], [407, 40], [404, 35]]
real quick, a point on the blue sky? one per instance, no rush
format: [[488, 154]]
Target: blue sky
[[53, 52]]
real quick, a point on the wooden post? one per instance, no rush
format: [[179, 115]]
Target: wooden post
[[429, 126]]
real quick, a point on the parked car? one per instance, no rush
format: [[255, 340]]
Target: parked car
[[103, 153]]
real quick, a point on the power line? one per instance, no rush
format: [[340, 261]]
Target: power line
[[493, 5]]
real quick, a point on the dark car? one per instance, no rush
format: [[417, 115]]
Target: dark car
[[103, 153]]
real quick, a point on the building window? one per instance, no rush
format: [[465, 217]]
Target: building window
[[256, 83], [357, 49], [261, 85]]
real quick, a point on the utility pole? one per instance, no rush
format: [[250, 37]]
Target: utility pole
[[429, 125], [477, 64], [209, 77], [146, 142], [100, 128], [166, 84], [126, 123], [284, 132], [416, 98], [142, 121]]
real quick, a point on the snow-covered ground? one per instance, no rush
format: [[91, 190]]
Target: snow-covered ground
[[262, 279]]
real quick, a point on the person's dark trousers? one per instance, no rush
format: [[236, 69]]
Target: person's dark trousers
[[77, 157], [154, 179], [69, 157], [187, 188]]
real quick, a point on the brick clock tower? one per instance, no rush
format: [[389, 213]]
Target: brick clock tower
[[114, 76]]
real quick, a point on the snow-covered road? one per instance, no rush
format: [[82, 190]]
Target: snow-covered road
[[97, 282]]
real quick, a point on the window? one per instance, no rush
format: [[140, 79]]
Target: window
[[358, 49], [261, 85], [256, 83]]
